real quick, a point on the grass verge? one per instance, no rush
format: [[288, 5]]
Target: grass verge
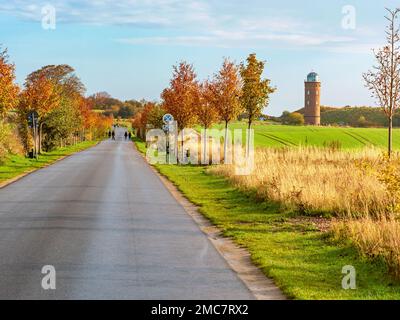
[[16, 165], [303, 261]]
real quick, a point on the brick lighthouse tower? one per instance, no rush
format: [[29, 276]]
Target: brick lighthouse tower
[[312, 112]]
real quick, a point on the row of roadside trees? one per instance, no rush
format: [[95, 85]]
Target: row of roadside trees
[[232, 91], [65, 116]]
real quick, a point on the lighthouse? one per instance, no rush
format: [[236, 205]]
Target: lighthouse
[[312, 110]]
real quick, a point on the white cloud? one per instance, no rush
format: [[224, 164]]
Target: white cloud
[[357, 47], [192, 23], [238, 39], [245, 33], [272, 24], [112, 12]]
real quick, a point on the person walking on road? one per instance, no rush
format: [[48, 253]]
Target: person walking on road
[[113, 135], [130, 135], [126, 135]]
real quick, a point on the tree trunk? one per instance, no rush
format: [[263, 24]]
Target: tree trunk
[[182, 151], [390, 139], [34, 140], [40, 137], [248, 139], [392, 77], [226, 141]]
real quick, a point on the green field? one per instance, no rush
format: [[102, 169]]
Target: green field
[[270, 135]]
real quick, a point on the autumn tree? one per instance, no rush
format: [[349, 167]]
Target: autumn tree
[[137, 123], [68, 90], [90, 119], [104, 101], [155, 116], [384, 79], [256, 91], [148, 107], [9, 143], [227, 92], [8, 89], [60, 124], [207, 112], [101, 124], [101, 100], [40, 96], [63, 76], [151, 114], [181, 98]]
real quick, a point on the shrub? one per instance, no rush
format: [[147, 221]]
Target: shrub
[[374, 239], [9, 141], [295, 118]]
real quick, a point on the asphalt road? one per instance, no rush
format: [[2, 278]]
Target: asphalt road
[[111, 230]]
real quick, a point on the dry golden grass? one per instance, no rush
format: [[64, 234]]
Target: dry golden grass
[[374, 239], [361, 188], [315, 180]]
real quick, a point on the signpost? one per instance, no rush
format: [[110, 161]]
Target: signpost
[[33, 123], [168, 120]]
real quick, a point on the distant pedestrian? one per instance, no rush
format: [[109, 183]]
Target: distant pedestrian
[[130, 135], [126, 135], [109, 134], [113, 135]]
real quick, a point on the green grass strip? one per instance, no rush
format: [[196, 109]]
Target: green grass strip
[[16, 165]]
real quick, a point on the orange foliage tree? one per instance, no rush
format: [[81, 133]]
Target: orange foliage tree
[[207, 112], [148, 107], [94, 125], [151, 115], [69, 90], [89, 118], [140, 120], [8, 89], [256, 91], [56, 94], [182, 97], [40, 96], [136, 123], [227, 95]]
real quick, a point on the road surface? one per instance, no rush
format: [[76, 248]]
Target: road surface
[[111, 230]]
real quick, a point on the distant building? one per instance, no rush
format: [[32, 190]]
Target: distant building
[[312, 108]]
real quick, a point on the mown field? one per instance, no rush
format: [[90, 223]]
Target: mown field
[[271, 135]]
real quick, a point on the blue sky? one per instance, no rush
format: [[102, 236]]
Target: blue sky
[[128, 47]]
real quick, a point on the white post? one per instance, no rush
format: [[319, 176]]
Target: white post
[[205, 158]]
